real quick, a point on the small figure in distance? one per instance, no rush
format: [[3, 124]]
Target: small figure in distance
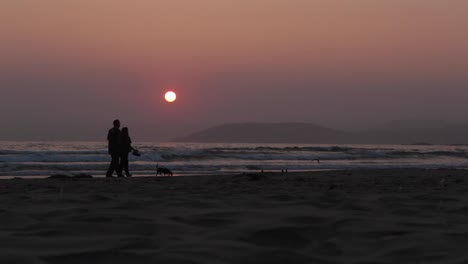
[[318, 161], [125, 147], [113, 139], [163, 171]]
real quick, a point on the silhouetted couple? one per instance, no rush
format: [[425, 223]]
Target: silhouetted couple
[[120, 145]]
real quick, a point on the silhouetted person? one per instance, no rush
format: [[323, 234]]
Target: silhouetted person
[[125, 147], [113, 139]]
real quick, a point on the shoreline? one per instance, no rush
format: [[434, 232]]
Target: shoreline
[[45, 159], [266, 172], [175, 174]]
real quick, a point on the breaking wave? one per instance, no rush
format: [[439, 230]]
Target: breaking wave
[[42, 158]]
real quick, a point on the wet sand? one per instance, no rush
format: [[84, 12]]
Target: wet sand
[[375, 216]]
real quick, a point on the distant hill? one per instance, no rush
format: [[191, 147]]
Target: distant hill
[[297, 133]]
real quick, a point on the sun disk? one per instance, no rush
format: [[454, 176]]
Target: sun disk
[[170, 96]]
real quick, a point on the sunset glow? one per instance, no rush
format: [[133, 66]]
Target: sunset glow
[[343, 64]]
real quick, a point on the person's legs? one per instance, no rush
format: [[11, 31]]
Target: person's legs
[[114, 165], [124, 160], [119, 166]]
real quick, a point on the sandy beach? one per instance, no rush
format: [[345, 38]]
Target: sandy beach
[[374, 216]]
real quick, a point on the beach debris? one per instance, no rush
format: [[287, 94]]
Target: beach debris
[[443, 182], [67, 177], [255, 176], [59, 176], [82, 176]]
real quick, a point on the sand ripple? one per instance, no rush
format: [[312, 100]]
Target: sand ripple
[[388, 216]]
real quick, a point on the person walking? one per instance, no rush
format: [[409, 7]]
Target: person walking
[[113, 139], [125, 147]]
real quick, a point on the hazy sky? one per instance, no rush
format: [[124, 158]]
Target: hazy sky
[[68, 68]]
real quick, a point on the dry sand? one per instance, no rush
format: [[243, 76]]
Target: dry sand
[[383, 216]]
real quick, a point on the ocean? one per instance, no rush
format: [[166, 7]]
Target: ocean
[[29, 159]]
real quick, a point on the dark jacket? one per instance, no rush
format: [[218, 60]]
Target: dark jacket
[[113, 138]]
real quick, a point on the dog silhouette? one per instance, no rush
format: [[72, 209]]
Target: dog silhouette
[[163, 171]]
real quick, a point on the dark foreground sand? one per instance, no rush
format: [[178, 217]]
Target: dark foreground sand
[[384, 216]]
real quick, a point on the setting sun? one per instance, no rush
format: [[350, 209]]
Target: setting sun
[[170, 96]]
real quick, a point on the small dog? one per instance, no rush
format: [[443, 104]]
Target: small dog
[[163, 171]]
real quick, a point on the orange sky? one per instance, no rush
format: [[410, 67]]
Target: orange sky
[[347, 46]]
